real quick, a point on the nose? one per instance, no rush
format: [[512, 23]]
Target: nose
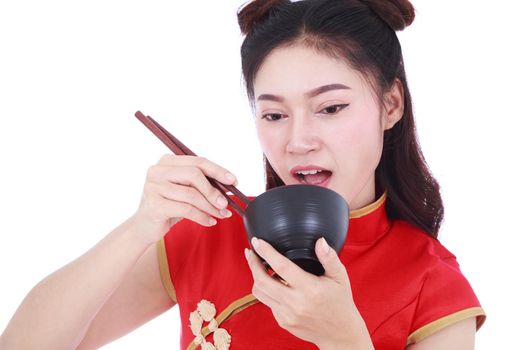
[[302, 135]]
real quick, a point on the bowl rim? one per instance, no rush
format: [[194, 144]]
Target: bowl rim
[[285, 187]]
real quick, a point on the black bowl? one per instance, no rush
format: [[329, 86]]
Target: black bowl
[[292, 218]]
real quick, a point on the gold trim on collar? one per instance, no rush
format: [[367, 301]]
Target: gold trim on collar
[[368, 209], [164, 270], [443, 322]]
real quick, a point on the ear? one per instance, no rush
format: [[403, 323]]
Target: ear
[[393, 104]]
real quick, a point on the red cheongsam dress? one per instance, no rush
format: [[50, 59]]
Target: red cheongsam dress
[[405, 284]]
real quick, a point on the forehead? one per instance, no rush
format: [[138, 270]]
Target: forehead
[[297, 69]]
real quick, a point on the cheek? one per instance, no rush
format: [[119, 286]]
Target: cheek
[[273, 150], [361, 139], [270, 145], [266, 139], [361, 144]]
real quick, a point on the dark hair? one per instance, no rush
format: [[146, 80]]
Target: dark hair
[[362, 33]]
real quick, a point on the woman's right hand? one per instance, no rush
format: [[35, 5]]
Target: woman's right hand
[[177, 187]]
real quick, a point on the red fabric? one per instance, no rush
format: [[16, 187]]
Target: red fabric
[[401, 280]]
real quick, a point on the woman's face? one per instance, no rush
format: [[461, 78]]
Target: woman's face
[[315, 112]]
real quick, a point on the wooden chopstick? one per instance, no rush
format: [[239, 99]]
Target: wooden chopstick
[[179, 148], [243, 198]]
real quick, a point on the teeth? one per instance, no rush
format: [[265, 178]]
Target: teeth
[[309, 172]]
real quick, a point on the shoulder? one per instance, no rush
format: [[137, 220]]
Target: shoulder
[[187, 239], [437, 265], [445, 296], [189, 249], [419, 245]]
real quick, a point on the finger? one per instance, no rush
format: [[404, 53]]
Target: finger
[[284, 267], [189, 176], [329, 259], [190, 196], [171, 209], [262, 281], [264, 298], [208, 167]]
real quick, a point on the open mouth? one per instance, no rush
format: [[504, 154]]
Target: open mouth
[[313, 177]]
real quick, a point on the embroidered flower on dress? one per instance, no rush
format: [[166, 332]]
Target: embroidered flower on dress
[[207, 346], [212, 326], [206, 312], [196, 323], [199, 339], [222, 339]]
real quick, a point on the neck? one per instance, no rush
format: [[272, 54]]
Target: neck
[[366, 196]]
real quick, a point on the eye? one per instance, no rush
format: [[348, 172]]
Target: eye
[[333, 109], [272, 117]]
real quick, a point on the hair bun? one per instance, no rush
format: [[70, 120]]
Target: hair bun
[[398, 14], [255, 12]]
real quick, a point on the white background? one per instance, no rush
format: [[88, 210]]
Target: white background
[[74, 158]]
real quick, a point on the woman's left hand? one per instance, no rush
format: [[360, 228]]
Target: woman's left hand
[[316, 309]]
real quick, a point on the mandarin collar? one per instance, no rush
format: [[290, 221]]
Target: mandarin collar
[[369, 223]]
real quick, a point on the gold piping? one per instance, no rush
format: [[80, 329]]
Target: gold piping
[[164, 270], [232, 309], [443, 322], [368, 208]]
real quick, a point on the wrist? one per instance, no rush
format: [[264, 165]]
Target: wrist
[[357, 338], [141, 234], [130, 236]]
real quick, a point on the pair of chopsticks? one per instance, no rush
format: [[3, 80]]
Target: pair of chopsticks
[[179, 149]]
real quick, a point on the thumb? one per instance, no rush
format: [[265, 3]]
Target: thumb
[[329, 259]]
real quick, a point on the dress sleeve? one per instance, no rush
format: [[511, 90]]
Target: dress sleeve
[[446, 298], [165, 270], [172, 251]]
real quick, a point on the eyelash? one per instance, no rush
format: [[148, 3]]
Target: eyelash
[[338, 108]]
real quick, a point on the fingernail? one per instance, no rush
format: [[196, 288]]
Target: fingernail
[[246, 253], [225, 213], [255, 243], [230, 177], [212, 221], [222, 202], [325, 247]]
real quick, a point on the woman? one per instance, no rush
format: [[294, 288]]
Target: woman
[[332, 108]]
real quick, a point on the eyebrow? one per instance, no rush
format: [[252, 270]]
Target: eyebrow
[[312, 93]]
